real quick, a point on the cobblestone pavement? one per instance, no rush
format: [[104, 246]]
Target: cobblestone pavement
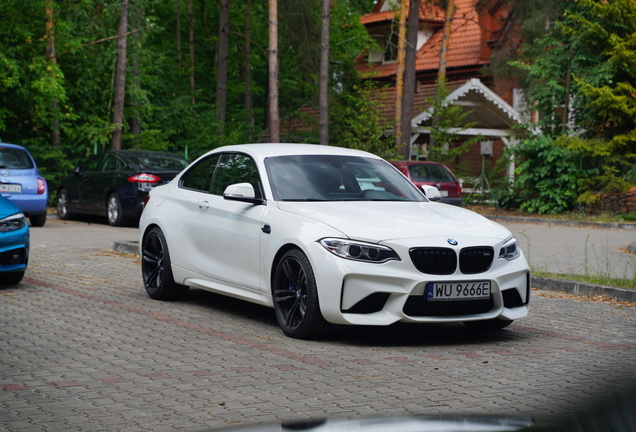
[[83, 348]]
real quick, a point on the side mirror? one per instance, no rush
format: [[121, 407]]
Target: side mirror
[[77, 171], [432, 193], [243, 192]]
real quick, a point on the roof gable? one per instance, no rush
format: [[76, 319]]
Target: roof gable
[[471, 30]]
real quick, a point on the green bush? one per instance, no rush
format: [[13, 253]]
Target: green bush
[[547, 177]]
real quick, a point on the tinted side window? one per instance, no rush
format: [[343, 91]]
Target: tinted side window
[[235, 168], [199, 177], [430, 173], [91, 164], [112, 163]]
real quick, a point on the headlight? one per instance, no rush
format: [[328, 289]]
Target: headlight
[[359, 251], [510, 250], [12, 223]]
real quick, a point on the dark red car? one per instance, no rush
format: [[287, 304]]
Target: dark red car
[[433, 174]]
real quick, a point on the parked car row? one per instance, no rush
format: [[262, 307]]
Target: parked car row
[[115, 184]]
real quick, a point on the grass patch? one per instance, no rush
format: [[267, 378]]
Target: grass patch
[[594, 280]]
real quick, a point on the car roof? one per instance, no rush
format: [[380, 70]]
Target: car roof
[[265, 150], [3, 144], [410, 162]]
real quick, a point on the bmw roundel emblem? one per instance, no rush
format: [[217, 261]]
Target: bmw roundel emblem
[[452, 242]]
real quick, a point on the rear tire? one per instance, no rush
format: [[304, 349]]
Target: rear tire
[[491, 324], [38, 220], [63, 203], [114, 211], [156, 269], [296, 297]]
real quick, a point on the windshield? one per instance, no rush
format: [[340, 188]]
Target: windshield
[[337, 178]]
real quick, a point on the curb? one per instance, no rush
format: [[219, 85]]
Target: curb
[[545, 283], [583, 289], [127, 247]]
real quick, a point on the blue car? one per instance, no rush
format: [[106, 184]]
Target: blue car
[[22, 184], [14, 243]]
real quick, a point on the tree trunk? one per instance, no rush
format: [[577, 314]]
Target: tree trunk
[[249, 104], [191, 39], [448, 21], [441, 72], [274, 120], [179, 56], [324, 75], [221, 75], [135, 120], [51, 58], [399, 75], [120, 77], [409, 78]]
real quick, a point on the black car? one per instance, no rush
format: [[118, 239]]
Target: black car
[[115, 184]]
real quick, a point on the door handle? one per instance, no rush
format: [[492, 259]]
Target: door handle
[[204, 205]]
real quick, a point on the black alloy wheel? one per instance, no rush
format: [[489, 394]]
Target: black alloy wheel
[[296, 297], [156, 270]]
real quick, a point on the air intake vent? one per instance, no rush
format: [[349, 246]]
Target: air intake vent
[[420, 306], [437, 261], [475, 259]]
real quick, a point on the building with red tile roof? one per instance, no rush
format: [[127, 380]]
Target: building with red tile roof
[[477, 27]]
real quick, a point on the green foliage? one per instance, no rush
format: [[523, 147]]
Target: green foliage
[[448, 121], [546, 177], [358, 124]]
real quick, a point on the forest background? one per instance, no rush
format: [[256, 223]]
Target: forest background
[[60, 84]]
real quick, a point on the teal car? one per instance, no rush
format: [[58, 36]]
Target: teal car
[[14, 243]]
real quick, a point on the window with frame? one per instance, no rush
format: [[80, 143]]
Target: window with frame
[[199, 177], [391, 47], [235, 168]]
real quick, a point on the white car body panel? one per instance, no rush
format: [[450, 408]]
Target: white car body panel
[[230, 247]]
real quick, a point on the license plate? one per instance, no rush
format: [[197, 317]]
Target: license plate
[[4, 187], [443, 193], [475, 290]]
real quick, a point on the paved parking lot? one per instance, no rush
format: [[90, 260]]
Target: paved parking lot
[[83, 348]]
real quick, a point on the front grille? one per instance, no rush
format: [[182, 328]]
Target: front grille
[[474, 260], [437, 261], [419, 305], [443, 261]]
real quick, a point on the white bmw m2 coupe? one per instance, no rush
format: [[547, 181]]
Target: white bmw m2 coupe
[[327, 235]]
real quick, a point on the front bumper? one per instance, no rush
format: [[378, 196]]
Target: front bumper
[[352, 292]]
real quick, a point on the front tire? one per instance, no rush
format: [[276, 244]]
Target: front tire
[[296, 297], [11, 278], [156, 269]]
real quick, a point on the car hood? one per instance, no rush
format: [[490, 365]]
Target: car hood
[[382, 221], [7, 208]]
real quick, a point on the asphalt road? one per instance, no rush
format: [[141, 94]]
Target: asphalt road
[[82, 347], [587, 251]]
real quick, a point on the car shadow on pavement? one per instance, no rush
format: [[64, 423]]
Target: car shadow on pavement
[[399, 334]]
